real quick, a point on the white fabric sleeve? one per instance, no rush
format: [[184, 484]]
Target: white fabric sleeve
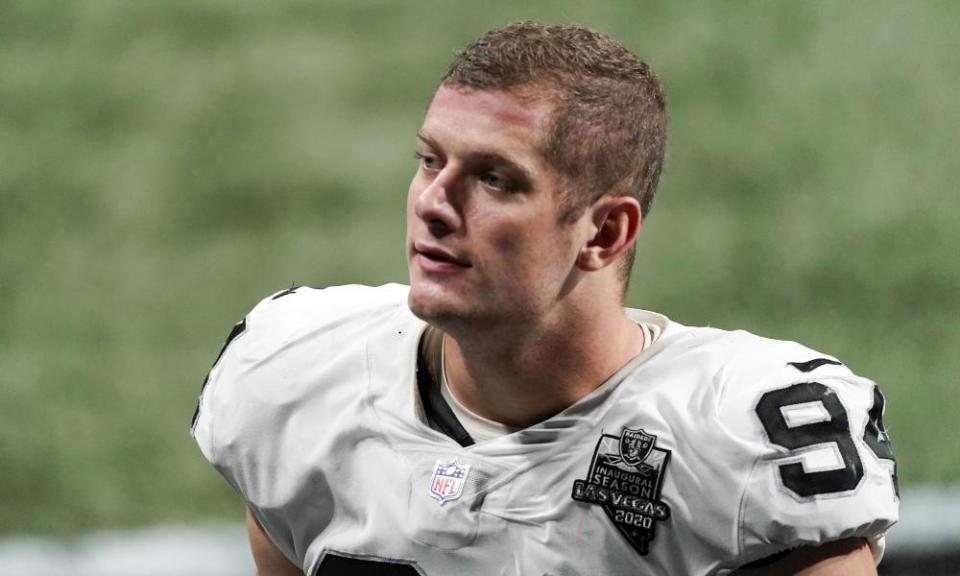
[[823, 468]]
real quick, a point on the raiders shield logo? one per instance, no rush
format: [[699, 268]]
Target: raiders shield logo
[[635, 445], [625, 479]]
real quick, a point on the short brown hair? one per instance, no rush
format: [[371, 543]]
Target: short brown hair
[[608, 132]]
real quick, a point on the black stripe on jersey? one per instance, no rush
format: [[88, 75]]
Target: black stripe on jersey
[[238, 329], [337, 565], [811, 365], [440, 416], [767, 560], [286, 292]]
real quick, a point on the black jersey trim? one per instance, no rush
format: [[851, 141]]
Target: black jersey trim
[[811, 365], [439, 415], [343, 564], [287, 292], [767, 560], [238, 329]]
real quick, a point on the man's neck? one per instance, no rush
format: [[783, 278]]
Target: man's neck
[[521, 378]]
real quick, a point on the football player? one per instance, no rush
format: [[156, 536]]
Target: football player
[[505, 414]]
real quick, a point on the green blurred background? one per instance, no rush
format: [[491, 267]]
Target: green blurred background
[[163, 165]]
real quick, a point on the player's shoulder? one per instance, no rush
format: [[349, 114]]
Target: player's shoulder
[[296, 312], [305, 305], [754, 379], [755, 366], [740, 363], [814, 430], [294, 328], [295, 347]]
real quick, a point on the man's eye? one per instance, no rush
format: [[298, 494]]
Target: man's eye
[[426, 160], [494, 181]]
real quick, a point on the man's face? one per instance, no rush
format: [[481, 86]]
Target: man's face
[[485, 243]]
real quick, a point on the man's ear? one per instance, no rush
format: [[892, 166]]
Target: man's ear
[[615, 224]]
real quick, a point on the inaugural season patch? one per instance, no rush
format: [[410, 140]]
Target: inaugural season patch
[[625, 479]]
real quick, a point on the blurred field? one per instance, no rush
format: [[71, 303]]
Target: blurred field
[[163, 165]]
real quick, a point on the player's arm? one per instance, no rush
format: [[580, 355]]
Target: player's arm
[[850, 557], [268, 558]]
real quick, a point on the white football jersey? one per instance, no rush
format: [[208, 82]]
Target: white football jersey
[[709, 450]]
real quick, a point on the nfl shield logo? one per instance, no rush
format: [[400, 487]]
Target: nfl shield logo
[[447, 481], [635, 445]]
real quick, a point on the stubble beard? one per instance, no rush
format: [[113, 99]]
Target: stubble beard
[[446, 316], [468, 320]]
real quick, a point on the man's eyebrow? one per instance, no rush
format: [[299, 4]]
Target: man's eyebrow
[[496, 158], [426, 139]]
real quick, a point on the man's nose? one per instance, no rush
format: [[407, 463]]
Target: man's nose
[[436, 204]]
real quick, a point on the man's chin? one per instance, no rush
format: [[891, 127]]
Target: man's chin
[[426, 308], [436, 309]]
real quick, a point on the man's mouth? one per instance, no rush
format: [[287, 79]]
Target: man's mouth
[[439, 256]]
